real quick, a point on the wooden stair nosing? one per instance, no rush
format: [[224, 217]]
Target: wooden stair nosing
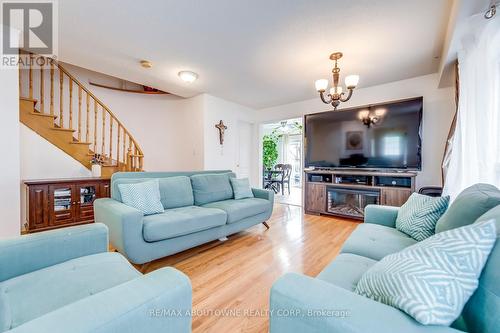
[[63, 129], [80, 143], [43, 114]]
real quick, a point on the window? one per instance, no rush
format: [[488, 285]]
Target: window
[[392, 145]]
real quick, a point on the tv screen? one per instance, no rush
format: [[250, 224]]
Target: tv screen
[[381, 136]]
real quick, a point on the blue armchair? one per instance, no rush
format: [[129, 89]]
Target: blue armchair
[[65, 280]]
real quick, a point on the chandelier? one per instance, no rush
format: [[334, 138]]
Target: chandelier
[[336, 95]]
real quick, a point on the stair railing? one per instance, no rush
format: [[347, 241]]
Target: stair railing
[[90, 120]]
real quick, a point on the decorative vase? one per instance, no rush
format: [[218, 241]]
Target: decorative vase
[[96, 170]]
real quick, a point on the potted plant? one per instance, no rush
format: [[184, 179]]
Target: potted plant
[[97, 161], [270, 151]]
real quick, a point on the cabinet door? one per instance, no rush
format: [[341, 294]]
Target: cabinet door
[[315, 198], [85, 193], [394, 196], [105, 190], [61, 204], [38, 207]]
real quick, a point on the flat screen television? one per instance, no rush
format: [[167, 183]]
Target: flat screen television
[[378, 136]]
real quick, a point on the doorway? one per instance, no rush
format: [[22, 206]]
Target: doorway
[[282, 160]]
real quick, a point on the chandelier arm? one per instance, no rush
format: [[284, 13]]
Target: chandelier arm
[[348, 96], [321, 94]]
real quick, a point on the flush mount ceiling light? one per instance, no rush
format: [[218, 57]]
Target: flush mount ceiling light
[[146, 63], [188, 76], [336, 95]]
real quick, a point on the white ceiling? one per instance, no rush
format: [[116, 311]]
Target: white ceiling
[[258, 53]]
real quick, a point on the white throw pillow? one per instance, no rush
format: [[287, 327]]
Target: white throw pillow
[[433, 279], [144, 196]]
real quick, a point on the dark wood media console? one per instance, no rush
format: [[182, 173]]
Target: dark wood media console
[[346, 192], [58, 203]]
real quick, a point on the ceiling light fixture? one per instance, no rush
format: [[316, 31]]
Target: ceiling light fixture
[[188, 76], [492, 10], [146, 63], [336, 95]]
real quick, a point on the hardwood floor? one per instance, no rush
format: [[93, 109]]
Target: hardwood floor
[[236, 275]]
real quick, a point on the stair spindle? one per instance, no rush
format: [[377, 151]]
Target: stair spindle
[[42, 92], [61, 110], [103, 131], [79, 113], [95, 127], [51, 88], [70, 103], [30, 76], [87, 116], [111, 138], [118, 146], [124, 150]]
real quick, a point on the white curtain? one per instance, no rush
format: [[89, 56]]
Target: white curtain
[[475, 146]]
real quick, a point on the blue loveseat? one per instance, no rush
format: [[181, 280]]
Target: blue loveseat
[[65, 280], [199, 208], [327, 303]]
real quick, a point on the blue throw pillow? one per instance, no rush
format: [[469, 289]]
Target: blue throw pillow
[[418, 216], [241, 188], [143, 196], [433, 279]]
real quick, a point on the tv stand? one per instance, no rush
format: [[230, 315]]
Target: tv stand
[[346, 192]]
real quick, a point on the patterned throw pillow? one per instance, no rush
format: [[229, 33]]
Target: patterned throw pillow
[[418, 216], [241, 188], [144, 196], [433, 279]]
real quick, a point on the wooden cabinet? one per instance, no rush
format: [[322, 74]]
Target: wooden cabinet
[[315, 198], [347, 192], [54, 204], [394, 196]]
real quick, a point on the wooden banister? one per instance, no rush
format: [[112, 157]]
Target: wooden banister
[[115, 150]]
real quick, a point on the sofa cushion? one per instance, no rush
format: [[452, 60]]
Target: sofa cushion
[[241, 188], [32, 295], [239, 209], [433, 279], [468, 206], [418, 216], [375, 241], [211, 187], [143, 196], [346, 270], [481, 311], [181, 221], [176, 192]]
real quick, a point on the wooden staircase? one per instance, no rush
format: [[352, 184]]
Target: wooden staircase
[[74, 120]]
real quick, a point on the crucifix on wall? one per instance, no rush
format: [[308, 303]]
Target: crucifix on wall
[[222, 128]]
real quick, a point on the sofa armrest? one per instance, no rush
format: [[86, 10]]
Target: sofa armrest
[[383, 215], [263, 194], [28, 253], [155, 303], [303, 304], [124, 222]]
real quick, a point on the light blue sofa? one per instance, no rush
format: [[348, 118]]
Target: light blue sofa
[[300, 303], [64, 281], [199, 208]]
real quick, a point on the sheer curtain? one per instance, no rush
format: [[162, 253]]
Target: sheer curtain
[[475, 146]]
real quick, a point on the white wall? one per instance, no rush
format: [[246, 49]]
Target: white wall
[[226, 156], [166, 127], [439, 109], [9, 146]]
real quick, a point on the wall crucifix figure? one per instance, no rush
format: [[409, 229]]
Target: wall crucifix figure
[[222, 128]]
